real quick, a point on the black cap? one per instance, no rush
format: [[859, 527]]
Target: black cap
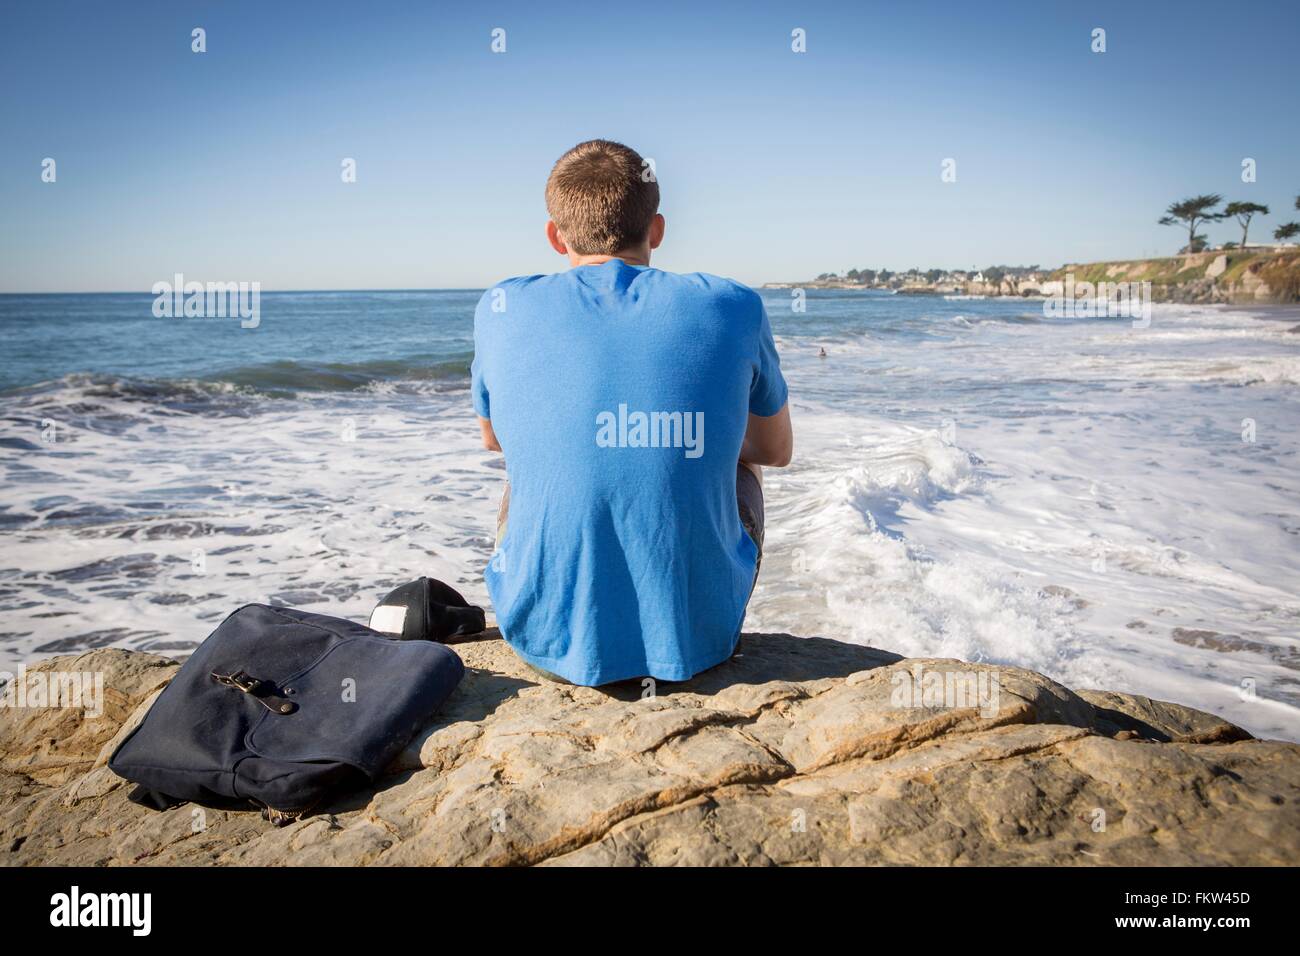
[[426, 610]]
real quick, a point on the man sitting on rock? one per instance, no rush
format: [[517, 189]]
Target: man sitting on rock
[[635, 408]]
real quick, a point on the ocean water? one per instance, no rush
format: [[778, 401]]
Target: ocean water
[[1114, 507]]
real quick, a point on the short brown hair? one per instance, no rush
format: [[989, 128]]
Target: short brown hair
[[602, 197]]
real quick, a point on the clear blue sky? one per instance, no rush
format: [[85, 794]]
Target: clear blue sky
[[773, 165]]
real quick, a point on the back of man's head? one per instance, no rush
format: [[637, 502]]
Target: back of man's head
[[602, 198]]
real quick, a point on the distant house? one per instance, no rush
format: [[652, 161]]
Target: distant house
[[977, 277]]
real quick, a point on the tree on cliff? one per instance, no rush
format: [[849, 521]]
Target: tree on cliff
[[1193, 211], [1288, 230], [1244, 211]]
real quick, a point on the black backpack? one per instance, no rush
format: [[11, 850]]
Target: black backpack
[[283, 707]]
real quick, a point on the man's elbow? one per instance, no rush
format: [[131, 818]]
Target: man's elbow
[[782, 450], [771, 456], [488, 434]]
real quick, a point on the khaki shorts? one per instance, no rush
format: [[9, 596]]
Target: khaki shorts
[[749, 502]]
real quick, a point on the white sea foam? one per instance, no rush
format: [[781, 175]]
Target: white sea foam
[[1098, 517], [1075, 498]]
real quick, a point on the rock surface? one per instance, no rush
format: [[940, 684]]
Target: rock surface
[[798, 751]]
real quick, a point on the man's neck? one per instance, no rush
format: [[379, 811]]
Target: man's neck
[[633, 257]]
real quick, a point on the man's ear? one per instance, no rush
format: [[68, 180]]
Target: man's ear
[[657, 226], [555, 239]]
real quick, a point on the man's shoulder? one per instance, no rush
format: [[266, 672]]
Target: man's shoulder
[[521, 281], [516, 282], [708, 282], [498, 297], [727, 293], [722, 293]]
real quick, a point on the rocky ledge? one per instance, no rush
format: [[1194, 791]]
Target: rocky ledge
[[800, 750]]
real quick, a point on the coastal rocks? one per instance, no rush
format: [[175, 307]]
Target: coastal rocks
[[799, 750], [1263, 276], [1253, 286], [54, 745], [1128, 716]]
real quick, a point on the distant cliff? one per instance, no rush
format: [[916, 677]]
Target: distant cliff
[[1234, 276], [1264, 275]]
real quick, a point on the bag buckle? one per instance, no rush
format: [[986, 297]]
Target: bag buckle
[[240, 679], [262, 690]]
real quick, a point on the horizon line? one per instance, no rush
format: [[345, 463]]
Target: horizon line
[[1280, 246]]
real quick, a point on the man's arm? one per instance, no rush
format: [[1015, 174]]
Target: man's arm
[[768, 440], [490, 437]]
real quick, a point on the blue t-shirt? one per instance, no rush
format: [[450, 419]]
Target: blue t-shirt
[[620, 396]]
